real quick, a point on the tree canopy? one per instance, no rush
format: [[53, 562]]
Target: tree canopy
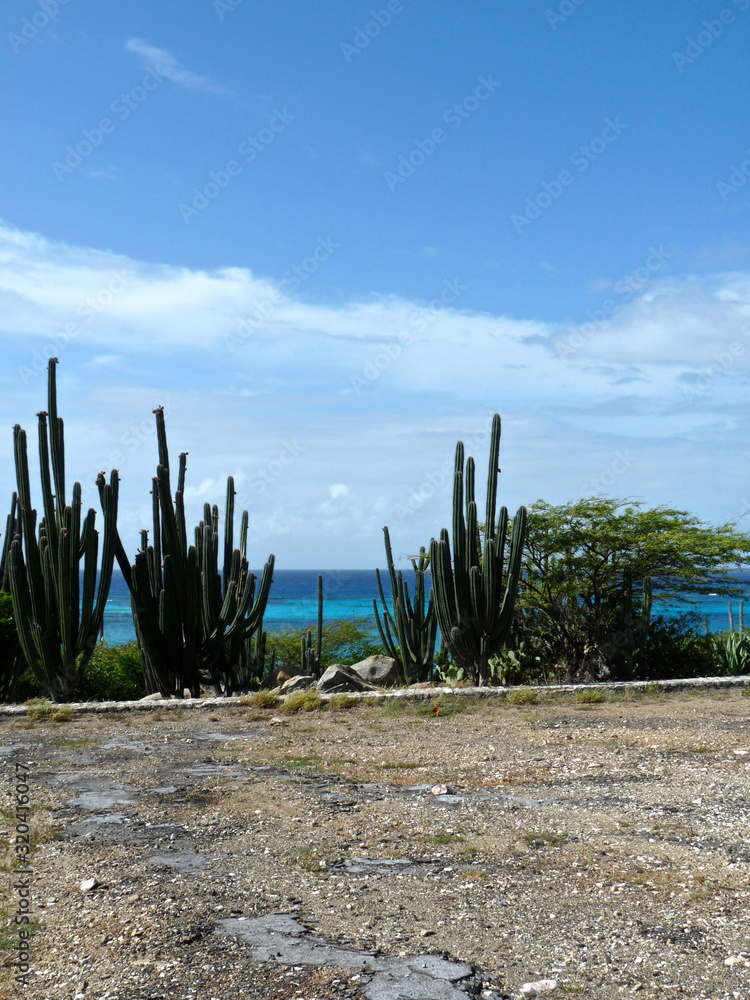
[[581, 600]]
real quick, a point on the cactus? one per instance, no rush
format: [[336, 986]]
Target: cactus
[[194, 624], [58, 625], [733, 648], [474, 606], [310, 660], [408, 631], [12, 528]]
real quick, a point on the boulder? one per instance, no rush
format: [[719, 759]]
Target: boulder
[[379, 670], [298, 683], [341, 678]]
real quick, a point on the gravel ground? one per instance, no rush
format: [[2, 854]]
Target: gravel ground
[[604, 845]]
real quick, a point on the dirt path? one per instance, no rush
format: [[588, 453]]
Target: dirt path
[[605, 845]]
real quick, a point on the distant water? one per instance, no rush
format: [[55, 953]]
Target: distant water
[[348, 594], [293, 602]]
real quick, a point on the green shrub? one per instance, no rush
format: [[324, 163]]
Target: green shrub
[[346, 641], [675, 648], [113, 674]]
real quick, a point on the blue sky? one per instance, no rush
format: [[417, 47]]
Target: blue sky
[[334, 238]]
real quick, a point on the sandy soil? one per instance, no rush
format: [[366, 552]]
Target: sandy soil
[[603, 845]]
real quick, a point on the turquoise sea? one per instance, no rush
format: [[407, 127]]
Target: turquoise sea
[[348, 594]]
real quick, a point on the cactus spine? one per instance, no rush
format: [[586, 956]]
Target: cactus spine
[[57, 624], [408, 631], [475, 590]]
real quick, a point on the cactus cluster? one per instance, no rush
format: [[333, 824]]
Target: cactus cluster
[[58, 623], [475, 588], [193, 623], [407, 630]]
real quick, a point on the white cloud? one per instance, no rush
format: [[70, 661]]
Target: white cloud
[[168, 66], [338, 419]]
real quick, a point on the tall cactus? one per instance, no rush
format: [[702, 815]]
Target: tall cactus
[[57, 624], [12, 528], [408, 631], [475, 590], [194, 623], [310, 658]]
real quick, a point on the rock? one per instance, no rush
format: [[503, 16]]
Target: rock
[[341, 678], [282, 674], [88, 885], [156, 696], [298, 683], [538, 989], [380, 670], [440, 790]]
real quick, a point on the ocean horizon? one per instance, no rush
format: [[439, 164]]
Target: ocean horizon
[[348, 595]]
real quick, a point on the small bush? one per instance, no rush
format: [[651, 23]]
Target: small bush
[[675, 648], [590, 697], [346, 641], [301, 701], [523, 696], [341, 702], [260, 699], [113, 674]]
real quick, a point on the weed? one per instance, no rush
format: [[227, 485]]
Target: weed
[[342, 760], [444, 705], [62, 714], [536, 841], [590, 697], [341, 702], [402, 765], [446, 838], [264, 698], [745, 692], [301, 701], [293, 761], [523, 696]]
